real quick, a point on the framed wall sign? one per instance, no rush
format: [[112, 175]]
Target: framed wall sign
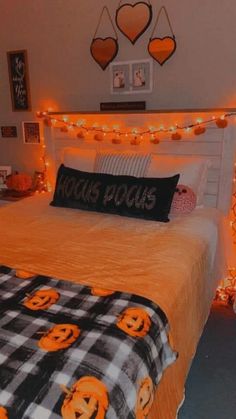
[[131, 76], [9, 131], [31, 132], [19, 80]]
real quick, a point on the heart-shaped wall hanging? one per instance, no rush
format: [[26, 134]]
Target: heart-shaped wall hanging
[[104, 50], [133, 19], [161, 49]]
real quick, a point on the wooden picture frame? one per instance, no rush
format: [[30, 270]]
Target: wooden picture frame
[[19, 80], [31, 132], [4, 172]]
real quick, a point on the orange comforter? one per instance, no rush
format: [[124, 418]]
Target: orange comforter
[[171, 264]]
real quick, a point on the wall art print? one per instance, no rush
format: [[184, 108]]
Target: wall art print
[[19, 80], [31, 132], [134, 76]]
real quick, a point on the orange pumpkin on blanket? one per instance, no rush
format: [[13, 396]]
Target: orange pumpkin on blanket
[[134, 321], [20, 182], [87, 399], [23, 274], [144, 398], [59, 337], [101, 292], [3, 413], [41, 299]]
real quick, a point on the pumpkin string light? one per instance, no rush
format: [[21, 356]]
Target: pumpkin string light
[[99, 133]]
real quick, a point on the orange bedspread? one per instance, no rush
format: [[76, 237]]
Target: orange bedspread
[[171, 264]]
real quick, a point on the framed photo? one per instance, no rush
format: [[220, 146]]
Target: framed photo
[[131, 76], [4, 172], [31, 132], [120, 82], [19, 80]]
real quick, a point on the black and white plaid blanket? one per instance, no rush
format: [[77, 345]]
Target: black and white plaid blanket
[[109, 343]]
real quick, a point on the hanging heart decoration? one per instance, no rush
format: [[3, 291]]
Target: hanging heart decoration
[[161, 49], [133, 19], [104, 50]]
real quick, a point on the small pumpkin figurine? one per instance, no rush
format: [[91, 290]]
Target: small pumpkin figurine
[[41, 299], [88, 399], [101, 292], [144, 398], [19, 182], [59, 337], [3, 413], [134, 321]]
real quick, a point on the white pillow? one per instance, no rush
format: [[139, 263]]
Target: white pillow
[[193, 171], [79, 159], [123, 163]]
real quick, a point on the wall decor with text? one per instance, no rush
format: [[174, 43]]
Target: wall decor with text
[[31, 132], [19, 80], [9, 131]]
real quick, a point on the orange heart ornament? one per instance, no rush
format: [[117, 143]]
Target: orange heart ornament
[[161, 49], [104, 50], [133, 19]]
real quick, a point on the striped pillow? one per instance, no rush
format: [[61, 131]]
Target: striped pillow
[[126, 163]]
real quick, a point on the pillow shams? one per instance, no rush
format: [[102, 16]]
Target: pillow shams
[[79, 158], [123, 163], [193, 171], [146, 198]]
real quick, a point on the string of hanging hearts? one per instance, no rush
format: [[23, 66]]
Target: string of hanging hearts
[[135, 135]]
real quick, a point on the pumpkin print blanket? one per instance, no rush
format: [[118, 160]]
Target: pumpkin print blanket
[[72, 351]]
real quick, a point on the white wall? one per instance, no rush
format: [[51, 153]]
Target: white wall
[[63, 75]]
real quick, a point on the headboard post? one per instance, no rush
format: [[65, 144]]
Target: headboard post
[[227, 169]]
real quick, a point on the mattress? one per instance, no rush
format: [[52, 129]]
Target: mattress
[[177, 265]]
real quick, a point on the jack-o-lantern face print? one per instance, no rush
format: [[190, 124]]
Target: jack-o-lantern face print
[[3, 413], [134, 321], [59, 337], [41, 299], [87, 399], [144, 398], [101, 292]]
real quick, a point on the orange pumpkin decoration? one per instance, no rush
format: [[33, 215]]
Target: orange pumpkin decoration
[[23, 274], [41, 299], [20, 182], [100, 292], [59, 337], [134, 321], [3, 413], [98, 137], [144, 398], [88, 398], [221, 122], [199, 130], [176, 136]]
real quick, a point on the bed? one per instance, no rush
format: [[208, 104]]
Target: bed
[[176, 265]]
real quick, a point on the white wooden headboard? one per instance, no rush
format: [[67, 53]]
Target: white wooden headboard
[[218, 145]]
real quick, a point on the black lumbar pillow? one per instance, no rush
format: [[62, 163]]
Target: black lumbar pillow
[[148, 198]]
